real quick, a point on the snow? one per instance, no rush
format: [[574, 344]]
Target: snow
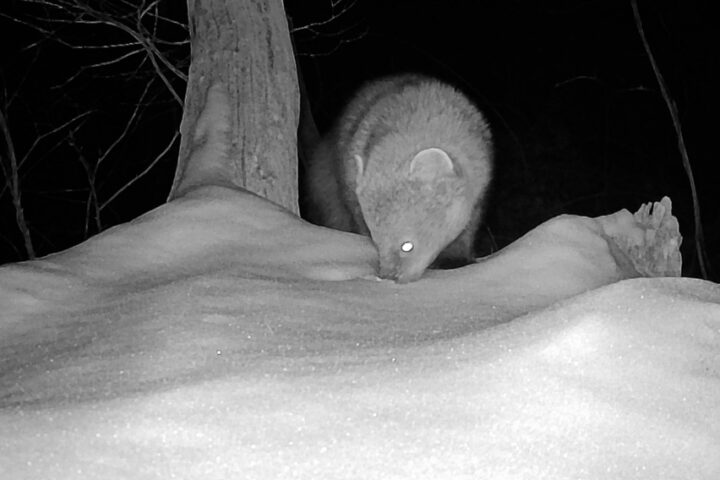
[[219, 336]]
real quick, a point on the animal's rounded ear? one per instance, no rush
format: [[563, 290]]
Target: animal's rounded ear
[[432, 163]]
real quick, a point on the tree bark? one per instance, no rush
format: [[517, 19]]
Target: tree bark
[[245, 46]]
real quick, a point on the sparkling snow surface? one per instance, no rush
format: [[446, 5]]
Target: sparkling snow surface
[[220, 337]]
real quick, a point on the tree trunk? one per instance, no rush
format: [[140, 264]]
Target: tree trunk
[[245, 45]]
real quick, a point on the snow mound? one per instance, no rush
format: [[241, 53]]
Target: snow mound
[[219, 336]]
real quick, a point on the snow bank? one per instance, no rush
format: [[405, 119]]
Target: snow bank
[[221, 337]]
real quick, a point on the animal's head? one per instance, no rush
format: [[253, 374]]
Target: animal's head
[[412, 209]]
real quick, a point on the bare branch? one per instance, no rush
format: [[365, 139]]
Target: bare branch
[[136, 52], [128, 124], [672, 108], [12, 176], [141, 174], [90, 171], [83, 13], [334, 17], [40, 138], [341, 35]]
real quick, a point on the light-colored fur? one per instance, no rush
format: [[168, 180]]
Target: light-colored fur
[[362, 177]]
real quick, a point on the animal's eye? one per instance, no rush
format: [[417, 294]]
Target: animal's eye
[[407, 247]]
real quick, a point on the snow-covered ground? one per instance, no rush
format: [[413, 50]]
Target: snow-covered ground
[[221, 337]]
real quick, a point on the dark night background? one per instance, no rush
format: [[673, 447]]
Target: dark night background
[[579, 121]]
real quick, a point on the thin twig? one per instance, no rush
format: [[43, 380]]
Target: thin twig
[[128, 124], [41, 137], [141, 174], [672, 107], [13, 178]]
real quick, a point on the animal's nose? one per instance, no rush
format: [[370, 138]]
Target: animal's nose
[[388, 272], [394, 272]]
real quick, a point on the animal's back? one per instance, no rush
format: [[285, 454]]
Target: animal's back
[[408, 163]]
